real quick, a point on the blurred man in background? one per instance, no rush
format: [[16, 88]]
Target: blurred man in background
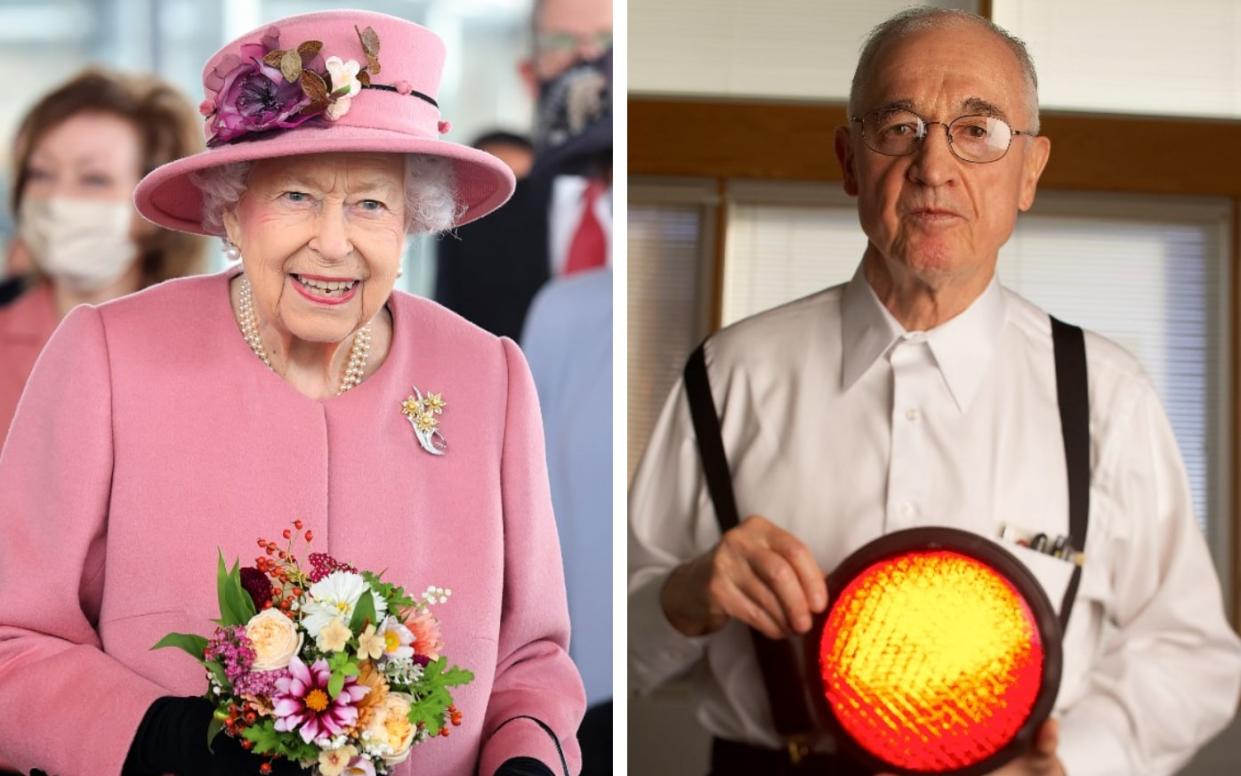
[[491, 270], [513, 149], [568, 341]]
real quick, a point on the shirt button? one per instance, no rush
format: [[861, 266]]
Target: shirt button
[[912, 415], [906, 509]]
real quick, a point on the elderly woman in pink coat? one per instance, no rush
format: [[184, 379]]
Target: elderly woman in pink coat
[[205, 412]]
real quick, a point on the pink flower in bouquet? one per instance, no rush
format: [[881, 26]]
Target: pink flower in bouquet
[[304, 704], [426, 630]]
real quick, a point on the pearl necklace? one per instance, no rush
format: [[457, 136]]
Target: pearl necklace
[[361, 348]]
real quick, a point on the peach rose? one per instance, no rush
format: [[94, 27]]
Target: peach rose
[[390, 733], [275, 639], [426, 630]]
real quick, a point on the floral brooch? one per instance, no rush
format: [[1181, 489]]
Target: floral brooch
[[266, 87], [422, 412]]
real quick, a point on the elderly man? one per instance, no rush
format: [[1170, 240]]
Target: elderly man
[[923, 392]]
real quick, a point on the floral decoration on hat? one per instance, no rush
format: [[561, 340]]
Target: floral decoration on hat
[[266, 87]]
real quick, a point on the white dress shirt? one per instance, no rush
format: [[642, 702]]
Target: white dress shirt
[[565, 213], [841, 427]]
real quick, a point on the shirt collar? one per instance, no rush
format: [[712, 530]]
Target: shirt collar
[[963, 347]]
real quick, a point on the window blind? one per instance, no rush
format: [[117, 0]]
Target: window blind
[[664, 268]]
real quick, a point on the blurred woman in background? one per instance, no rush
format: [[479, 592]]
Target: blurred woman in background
[[78, 155]]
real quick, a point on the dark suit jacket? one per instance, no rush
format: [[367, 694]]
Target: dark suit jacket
[[490, 270]]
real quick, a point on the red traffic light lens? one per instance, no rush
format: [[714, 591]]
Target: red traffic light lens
[[933, 660]]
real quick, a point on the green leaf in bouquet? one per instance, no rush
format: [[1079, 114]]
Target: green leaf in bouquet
[[395, 595], [457, 676], [264, 736], [267, 740], [213, 729], [428, 712], [188, 642], [236, 606], [335, 684], [221, 677], [363, 613]]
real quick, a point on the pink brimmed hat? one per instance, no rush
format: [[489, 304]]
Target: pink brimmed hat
[[316, 83]]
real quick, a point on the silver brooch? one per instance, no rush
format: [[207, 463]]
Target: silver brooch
[[423, 413]]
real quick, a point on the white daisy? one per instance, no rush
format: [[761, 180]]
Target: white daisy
[[336, 595]]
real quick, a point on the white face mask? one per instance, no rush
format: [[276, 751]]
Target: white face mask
[[83, 243]]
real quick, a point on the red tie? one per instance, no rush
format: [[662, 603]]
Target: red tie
[[589, 247]]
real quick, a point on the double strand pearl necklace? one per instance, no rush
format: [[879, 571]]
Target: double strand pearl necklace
[[360, 349]]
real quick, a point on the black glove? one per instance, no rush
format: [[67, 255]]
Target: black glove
[[173, 739], [523, 766]]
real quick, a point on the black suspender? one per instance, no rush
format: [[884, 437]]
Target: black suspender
[[790, 708], [777, 660], [1069, 345]]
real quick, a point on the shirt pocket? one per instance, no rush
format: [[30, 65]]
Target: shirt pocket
[[1053, 574]]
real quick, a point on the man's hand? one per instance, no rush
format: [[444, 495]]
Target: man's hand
[[758, 573], [1040, 760]]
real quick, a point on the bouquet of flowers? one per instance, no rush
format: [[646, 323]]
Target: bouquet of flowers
[[326, 666]]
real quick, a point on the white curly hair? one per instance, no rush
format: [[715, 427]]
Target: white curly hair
[[431, 204]]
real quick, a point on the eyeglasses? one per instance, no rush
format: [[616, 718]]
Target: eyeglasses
[[975, 139], [571, 42]]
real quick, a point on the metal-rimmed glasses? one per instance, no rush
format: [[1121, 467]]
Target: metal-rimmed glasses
[[977, 139]]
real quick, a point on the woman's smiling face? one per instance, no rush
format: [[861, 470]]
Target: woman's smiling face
[[321, 238]]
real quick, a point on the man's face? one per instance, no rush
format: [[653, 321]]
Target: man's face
[[941, 218], [569, 31]]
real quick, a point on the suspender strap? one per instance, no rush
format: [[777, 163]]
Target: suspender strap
[[710, 441], [777, 660], [1069, 345]]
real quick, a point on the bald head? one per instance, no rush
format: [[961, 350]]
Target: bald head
[[917, 20]]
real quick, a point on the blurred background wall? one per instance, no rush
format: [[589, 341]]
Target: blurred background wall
[[735, 206], [44, 42]]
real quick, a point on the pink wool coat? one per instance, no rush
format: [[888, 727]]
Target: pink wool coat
[[149, 435]]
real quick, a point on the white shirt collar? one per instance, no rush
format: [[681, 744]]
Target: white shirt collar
[[963, 347]]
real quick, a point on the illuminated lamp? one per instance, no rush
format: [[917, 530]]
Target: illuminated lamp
[[939, 653]]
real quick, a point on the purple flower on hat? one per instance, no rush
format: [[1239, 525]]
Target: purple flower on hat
[[253, 97]]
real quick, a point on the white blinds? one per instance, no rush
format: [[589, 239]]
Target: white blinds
[[1156, 287], [742, 48], [664, 267], [1151, 276], [1140, 56]]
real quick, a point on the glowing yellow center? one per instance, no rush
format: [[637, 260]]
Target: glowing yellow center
[[342, 607], [316, 700], [392, 642]]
